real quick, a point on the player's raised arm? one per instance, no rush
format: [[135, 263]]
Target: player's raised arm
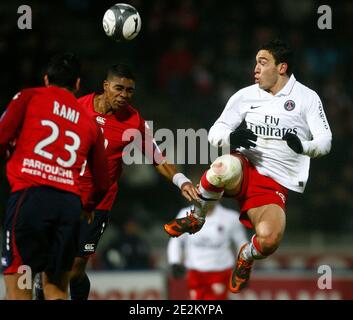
[[169, 171], [151, 150], [320, 129], [228, 121], [320, 144], [12, 119]]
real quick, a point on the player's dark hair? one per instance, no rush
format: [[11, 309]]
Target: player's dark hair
[[121, 70], [63, 70], [281, 52]]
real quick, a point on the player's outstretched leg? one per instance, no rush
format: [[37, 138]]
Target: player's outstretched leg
[[269, 223], [241, 273], [225, 173]]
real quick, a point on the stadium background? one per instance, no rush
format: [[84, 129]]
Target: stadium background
[[190, 56]]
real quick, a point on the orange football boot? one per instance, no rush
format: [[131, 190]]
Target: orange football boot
[[241, 273], [189, 224]]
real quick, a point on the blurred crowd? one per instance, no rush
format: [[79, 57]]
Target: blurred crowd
[[190, 57]]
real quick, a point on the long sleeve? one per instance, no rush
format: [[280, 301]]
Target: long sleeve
[[12, 119], [320, 130], [148, 145], [228, 121]]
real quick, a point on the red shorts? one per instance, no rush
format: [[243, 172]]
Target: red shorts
[[206, 285], [257, 190]]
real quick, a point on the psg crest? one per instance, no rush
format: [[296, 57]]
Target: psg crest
[[289, 105]]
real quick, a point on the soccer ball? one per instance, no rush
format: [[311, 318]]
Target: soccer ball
[[122, 22]]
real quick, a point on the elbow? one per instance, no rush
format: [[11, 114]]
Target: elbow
[[318, 147], [211, 135], [327, 146], [218, 136]]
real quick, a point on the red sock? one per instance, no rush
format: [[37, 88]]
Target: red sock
[[207, 186], [256, 251], [209, 195]]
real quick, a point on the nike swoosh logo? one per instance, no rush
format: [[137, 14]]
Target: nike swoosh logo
[[255, 107]]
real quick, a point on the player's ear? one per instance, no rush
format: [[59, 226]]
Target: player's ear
[[105, 85], [77, 84], [283, 67], [46, 80]]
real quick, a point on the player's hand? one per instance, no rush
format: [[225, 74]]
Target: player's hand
[[89, 215], [189, 191], [177, 270], [242, 138], [293, 142]]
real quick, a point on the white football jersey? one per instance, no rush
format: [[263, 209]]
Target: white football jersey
[[296, 109], [210, 249]]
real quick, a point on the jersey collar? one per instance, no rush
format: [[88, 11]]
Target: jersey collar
[[286, 90]]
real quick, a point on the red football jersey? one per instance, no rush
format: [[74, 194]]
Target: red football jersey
[[113, 127], [54, 136]]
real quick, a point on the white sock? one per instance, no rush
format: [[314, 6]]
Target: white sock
[[254, 252], [246, 253], [204, 205], [250, 252]]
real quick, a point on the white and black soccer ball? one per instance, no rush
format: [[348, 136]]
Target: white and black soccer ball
[[122, 22]]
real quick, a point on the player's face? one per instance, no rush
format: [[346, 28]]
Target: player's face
[[118, 92], [266, 71]]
